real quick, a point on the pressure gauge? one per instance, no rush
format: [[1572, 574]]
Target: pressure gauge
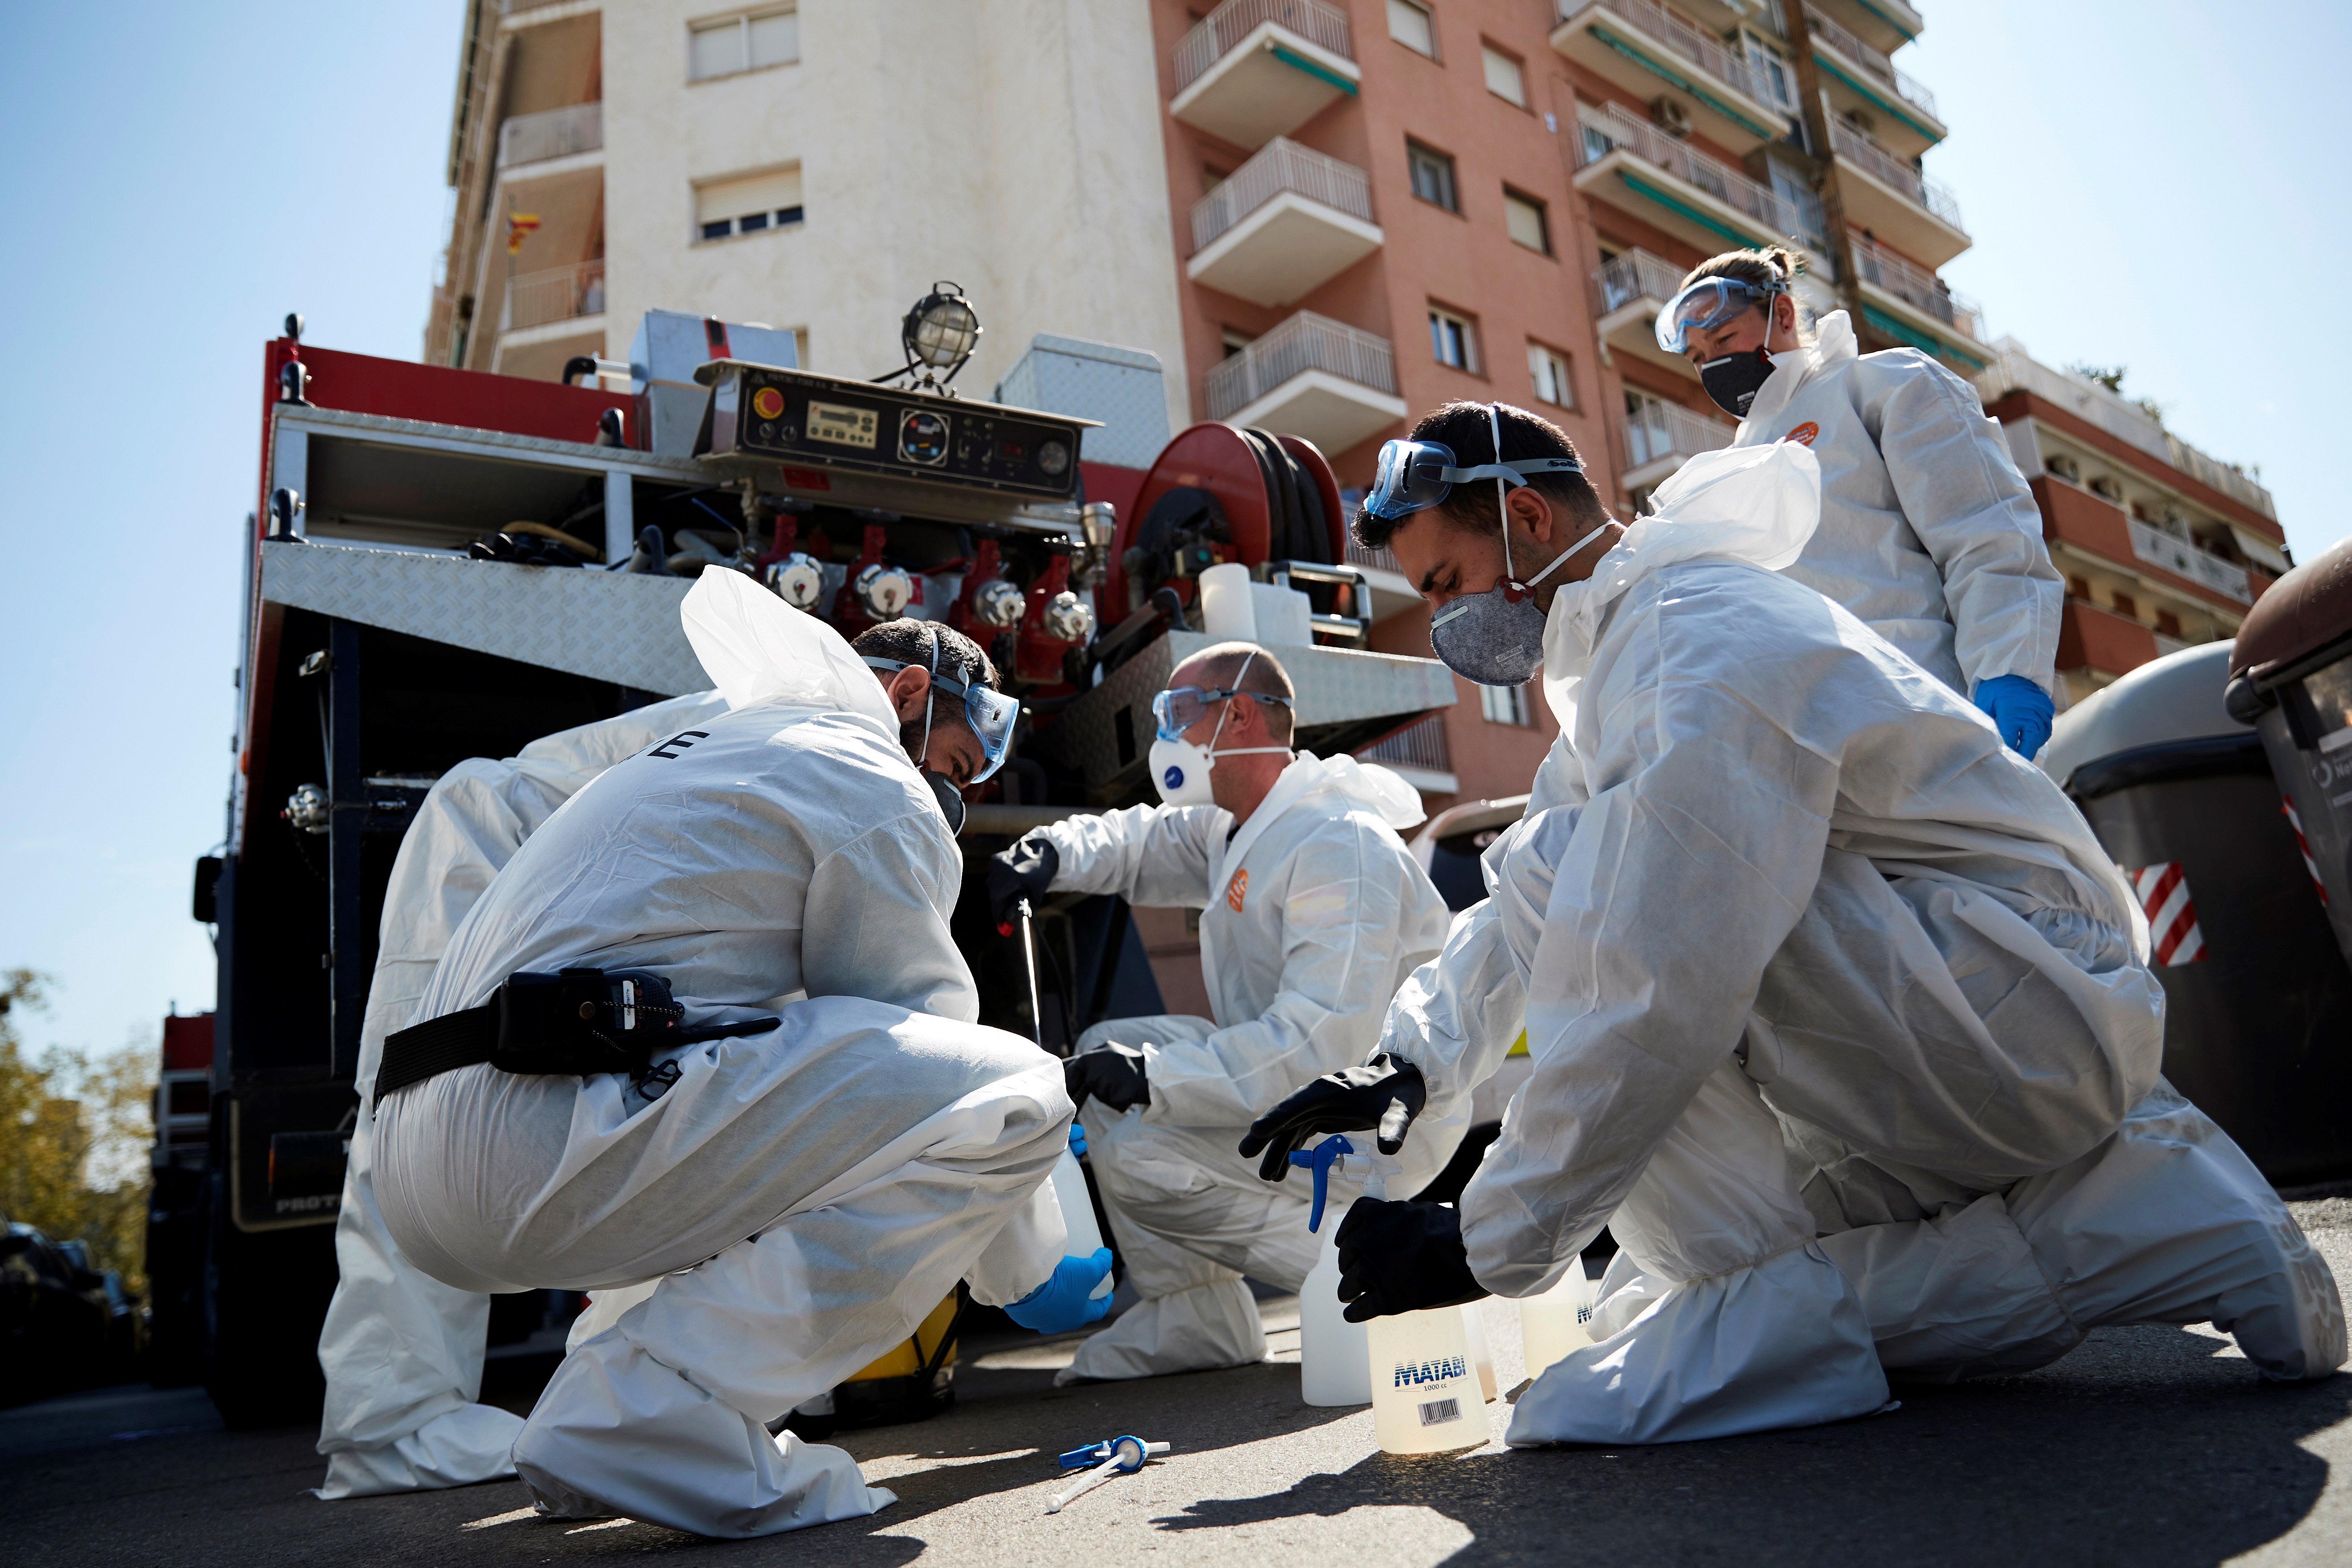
[[798, 580], [884, 592], [999, 604], [1068, 619], [1053, 458]]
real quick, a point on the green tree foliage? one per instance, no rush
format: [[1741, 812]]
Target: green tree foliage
[[74, 1133]]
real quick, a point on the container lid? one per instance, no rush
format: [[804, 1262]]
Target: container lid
[[2172, 700], [2302, 612]]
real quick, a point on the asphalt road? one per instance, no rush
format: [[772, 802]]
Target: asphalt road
[[2151, 1445]]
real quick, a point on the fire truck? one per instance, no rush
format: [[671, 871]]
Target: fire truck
[[444, 564]]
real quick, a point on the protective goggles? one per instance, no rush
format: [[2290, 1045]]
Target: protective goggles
[[1413, 475], [991, 714], [1707, 305], [1180, 708]]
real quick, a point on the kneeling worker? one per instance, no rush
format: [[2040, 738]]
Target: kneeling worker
[[708, 1026], [1315, 911], [1842, 1019]]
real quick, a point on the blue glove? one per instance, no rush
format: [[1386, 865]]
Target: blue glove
[[1077, 1140], [2020, 710], [1061, 1304]]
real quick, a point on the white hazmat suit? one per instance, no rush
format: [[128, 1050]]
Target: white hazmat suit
[[1927, 532], [1800, 948], [400, 1350], [804, 1196], [1314, 912]]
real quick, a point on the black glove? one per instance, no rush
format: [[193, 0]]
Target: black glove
[[1025, 871], [1384, 1095], [1112, 1073], [1401, 1257]]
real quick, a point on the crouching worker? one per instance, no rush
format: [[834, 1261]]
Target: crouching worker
[[706, 1027], [1842, 1019], [1314, 912]]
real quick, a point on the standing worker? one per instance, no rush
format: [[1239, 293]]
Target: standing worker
[[1314, 912], [1929, 534], [708, 1026]]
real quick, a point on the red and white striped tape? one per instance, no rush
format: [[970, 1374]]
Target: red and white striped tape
[[2163, 893], [2303, 844]]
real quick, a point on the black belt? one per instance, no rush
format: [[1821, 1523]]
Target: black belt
[[577, 1021]]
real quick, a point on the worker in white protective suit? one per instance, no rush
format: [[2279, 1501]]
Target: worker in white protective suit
[[773, 1101], [1841, 1018], [400, 1350], [1314, 911], [1929, 534]]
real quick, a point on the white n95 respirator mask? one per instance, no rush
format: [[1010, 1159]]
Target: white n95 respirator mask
[[1180, 768]]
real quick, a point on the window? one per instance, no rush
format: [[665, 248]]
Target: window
[[1432, 176], [1453, 340], [747, 206], [2080, 587], [1524, 216], [1772, 68], [1548, 370], [1648, 436], [1234, 341], [2127, 605], [2167, 624], [1408, 25], [1503, 78], [1505, 705], [1212, 177], [725, 46]]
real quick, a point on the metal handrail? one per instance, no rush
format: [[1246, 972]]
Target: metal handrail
[[1892, 172], [1221, 30], [555, 294], [1304, 342], [552, 133], [1880, 268], [1281, 166], [1669, 431], [1417, 745], [1872, 60], [1635, 275], [1698, 48], [1609, 128]]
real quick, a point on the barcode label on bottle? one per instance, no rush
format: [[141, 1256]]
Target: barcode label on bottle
[[1438, 1412]]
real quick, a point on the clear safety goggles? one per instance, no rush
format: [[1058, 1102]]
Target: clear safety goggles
[[991, 714], [1413, 475], [1180, 708], [1707, 305]]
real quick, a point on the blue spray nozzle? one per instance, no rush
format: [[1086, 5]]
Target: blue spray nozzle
[[1319, 1160], [1129, 1451]]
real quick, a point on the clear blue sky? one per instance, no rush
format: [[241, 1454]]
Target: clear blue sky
[[2145, 182]]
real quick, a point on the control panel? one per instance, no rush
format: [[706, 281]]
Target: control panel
[[829, 422]]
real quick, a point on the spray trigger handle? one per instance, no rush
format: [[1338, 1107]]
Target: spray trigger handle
[[1319, 1160], [1129, 1453]]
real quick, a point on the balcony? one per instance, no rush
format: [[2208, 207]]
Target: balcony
[[552, 133], [1661, 436], [1895, 201], [1419, 755], [1916, 307], [1649, 51], [558, 294], [2183, 558], [1633, 166], [1859, 77], [2090, 638], [1284, 224], [1886, 25], [1255, 69], [2095, 526], [1313, 378], [1628, 292]]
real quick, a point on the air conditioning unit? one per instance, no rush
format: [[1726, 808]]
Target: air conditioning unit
[[1670, 117]]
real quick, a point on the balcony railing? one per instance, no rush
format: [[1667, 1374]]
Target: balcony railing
[[1421, 745], [2183, 558], [1668, 430], [1380, 560], [1605, 130], [1280, 165], [1892, 172], [1635, 275], [1306, 342], [558, 294], [1700, 49], [552, 133], [1915, 287], [1873, 60], [1223, 29], [2014, 370]]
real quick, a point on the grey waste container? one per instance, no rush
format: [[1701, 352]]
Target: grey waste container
[[2291, 678], [2258, 999]]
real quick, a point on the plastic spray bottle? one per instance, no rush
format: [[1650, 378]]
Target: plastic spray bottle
[[1078, 1215], [1334, 1354], [1426, 1397], [1558, 1321]]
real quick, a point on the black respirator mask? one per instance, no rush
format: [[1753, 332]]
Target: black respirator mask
[[1734, 380]]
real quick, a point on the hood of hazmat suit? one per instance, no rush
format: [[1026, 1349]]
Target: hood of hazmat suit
[[804, 1196], [402, 1351], [1929, 534], [1314, 911]]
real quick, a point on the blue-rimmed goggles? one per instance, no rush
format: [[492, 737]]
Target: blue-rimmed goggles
[[989, 713], [1180, 708], [1414, 475], [1708, 304]]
